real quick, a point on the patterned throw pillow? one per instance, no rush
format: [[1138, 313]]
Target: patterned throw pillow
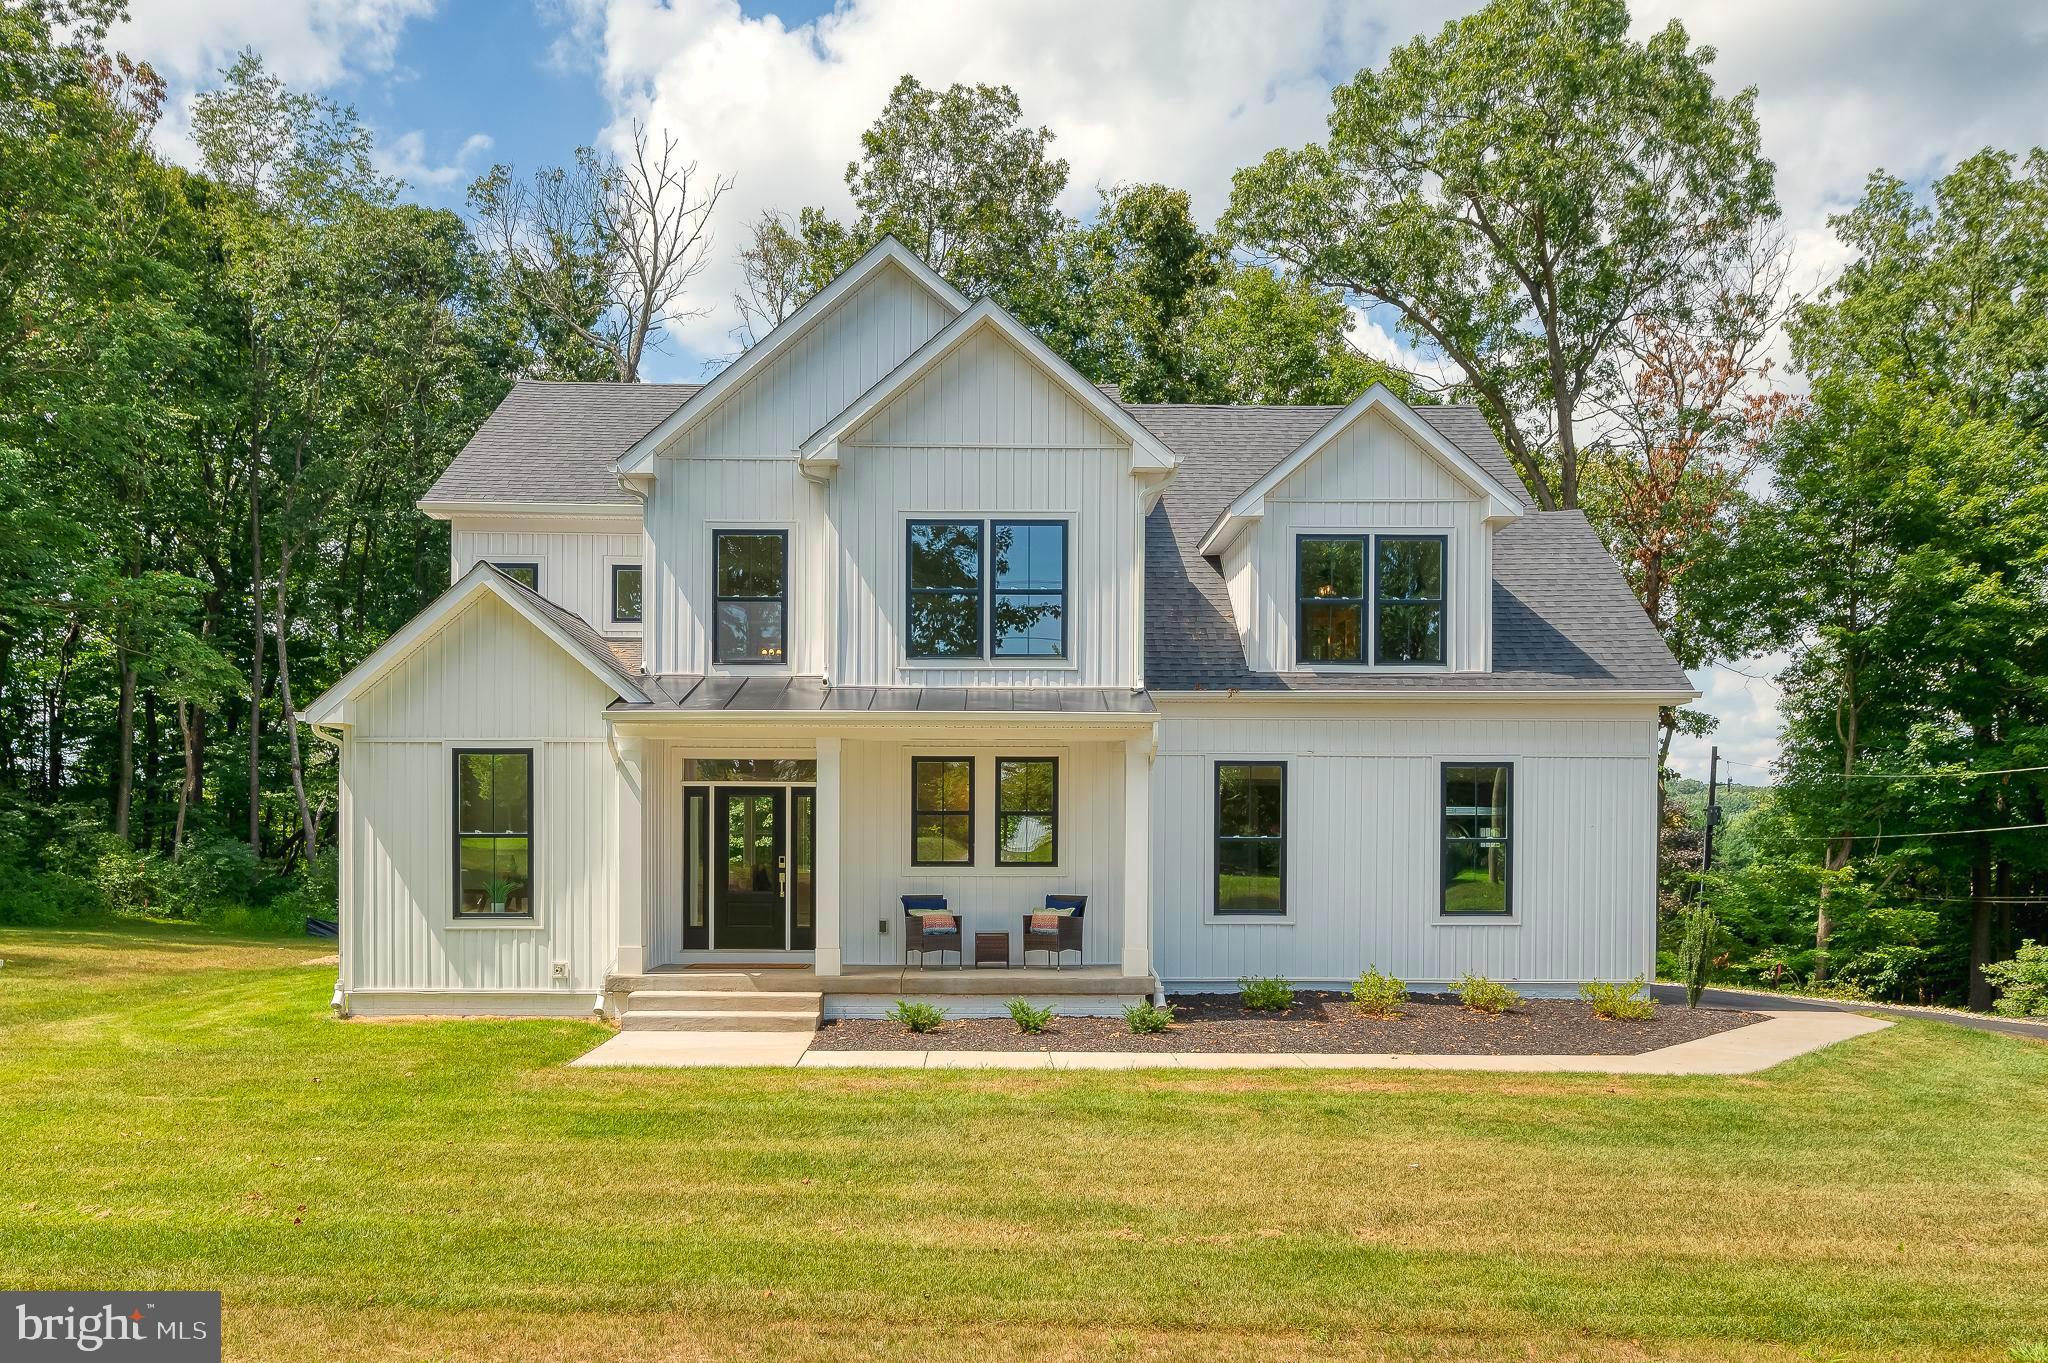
[[1045, 924], [937, 924]]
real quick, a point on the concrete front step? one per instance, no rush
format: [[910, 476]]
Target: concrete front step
[[712, 982], [720, 1001], [724, 1021]]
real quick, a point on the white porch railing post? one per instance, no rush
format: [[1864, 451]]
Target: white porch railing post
[[631, 764], [1137, 906], [827, 959]]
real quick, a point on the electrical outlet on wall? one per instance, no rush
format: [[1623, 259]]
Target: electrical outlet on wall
[[882, 926], [561, 970]]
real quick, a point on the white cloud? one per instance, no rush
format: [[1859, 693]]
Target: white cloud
[[1744, 698], [406, 157], [310, 44]]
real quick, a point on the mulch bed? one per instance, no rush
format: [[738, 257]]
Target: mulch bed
[[1325, 1022]]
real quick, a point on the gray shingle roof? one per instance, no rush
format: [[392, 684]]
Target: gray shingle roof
[[557, 442], [1562, 615]]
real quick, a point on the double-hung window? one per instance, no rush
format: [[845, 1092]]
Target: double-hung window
[[626, 593], [986, 589], [1408, 591], [494, 833], [750, 586], [942, 811], [1478, 838], [1369, 599], [1027, 811], [1251, 838], [1330, 598]]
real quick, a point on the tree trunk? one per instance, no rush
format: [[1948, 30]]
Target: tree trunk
[[57, 705], [1980, 925], [255, 655], [124, 740], [290, 712], [188, 788], [152, 764]]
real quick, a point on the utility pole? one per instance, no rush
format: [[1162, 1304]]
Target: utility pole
[[1713, 810]]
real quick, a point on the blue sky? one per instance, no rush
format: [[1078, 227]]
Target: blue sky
[[1182, 92]]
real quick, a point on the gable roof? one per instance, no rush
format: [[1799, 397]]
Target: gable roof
[[1563, 617], [554, 445], [1505, 497], [821, 450], [638, 459], [567, 630]]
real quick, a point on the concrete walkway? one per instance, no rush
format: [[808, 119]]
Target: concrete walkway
[[1743, 1051], [1764, 1001]]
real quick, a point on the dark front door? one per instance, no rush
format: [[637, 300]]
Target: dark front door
[[753, 893]]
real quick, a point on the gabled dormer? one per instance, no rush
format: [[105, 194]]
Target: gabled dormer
[[1367, 549]]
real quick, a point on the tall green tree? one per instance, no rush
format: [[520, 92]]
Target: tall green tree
[[1521, 188]]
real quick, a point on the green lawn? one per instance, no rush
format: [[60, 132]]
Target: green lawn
[[177, 1109]]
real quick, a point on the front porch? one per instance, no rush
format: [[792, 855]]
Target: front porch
[[762, 841]]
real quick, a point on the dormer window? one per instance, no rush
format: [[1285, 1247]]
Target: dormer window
[[1409, 599], [1401, 616]]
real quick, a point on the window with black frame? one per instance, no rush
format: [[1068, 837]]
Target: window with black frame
[[494, 833], [750, 583], [526, 575], [1330, 598], [942, 811], [1478, 838], [945, 577], [626, 593], [1027, 811], [1028, 611], [1251, 838], [1409, 599]]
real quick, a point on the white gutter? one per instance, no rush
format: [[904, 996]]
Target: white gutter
[[1578, 697]]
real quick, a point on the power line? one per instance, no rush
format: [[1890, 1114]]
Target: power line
[[1934, 833]]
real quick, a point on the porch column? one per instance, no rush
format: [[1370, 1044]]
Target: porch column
[[630, 758], [826, 959], [1137, 957]]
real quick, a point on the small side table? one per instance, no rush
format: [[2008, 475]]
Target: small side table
[[991, 948]]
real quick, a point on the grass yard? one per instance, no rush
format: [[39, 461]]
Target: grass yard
[[178, 1110]]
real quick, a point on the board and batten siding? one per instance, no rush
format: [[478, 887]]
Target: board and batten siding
[[487, 678], [695, 497], [1364, 850], [575, 558], [1372, 477], [845, 353], [987, 433]]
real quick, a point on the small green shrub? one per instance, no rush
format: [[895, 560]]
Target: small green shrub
[[1378, 994], [918, 1017], [1482, 995], [1619, 1001], [1265, 993], [1145, 1018], [1030, 1021], [2022, 982]]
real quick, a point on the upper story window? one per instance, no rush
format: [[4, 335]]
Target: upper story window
[[526, 574], [945, 589], [750, 576], [993, 589], [1398, 608], [1028, 617], [626, 593], [1330, 598], [1409, 599]]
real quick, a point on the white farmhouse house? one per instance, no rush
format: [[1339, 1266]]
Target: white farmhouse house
[[900, 605]]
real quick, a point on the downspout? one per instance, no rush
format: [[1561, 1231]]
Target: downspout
[[338, 1001]]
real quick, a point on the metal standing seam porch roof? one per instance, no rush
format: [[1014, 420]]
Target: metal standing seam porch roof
[[689, 693]]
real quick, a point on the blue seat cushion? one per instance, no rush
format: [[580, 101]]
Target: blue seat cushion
[[1072, 904], [924, 903]]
